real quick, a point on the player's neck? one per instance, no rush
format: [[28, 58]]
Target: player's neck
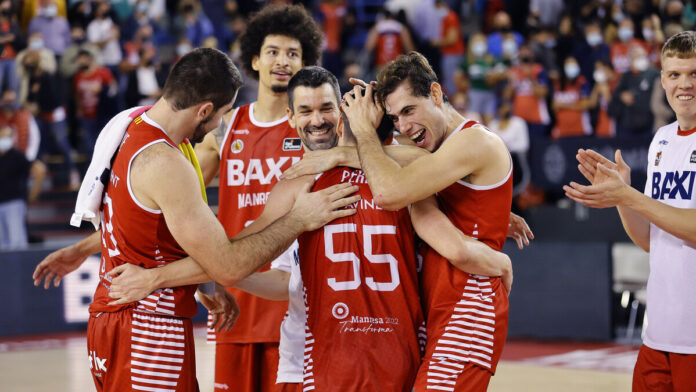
[[270, 106], [172, 122], [453, 119], [687, 123]]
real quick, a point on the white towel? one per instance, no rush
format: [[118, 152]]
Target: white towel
[[89, 197]]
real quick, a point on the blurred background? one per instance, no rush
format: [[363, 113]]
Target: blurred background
[[549, 76]]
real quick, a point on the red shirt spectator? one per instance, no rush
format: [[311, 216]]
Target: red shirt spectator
[[88, 85]]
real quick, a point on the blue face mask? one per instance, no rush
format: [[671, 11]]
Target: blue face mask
[[5, 144], [571, 70], [594, 39], [625, 33]]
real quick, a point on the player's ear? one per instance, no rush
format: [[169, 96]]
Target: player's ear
[[255, 63], [436, 93], [205, 110], [339, 126], [291, 117]]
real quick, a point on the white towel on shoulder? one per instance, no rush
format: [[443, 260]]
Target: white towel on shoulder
[[89, 197]]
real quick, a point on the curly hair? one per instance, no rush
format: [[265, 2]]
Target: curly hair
[[291, 21]]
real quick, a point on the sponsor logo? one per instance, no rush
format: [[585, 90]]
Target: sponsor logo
[[237, 146], [292, 144], [658, 158], [693, 157], [673, 185], [340, 311], [240, 172], [240, 132], [96, 364], [663, 142]]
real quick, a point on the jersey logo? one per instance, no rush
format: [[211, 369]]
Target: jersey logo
[[237, 146], [693, 157], [658, 158], [663, 142], [340, 311], [240, 131], [673, 185], [292, 144]]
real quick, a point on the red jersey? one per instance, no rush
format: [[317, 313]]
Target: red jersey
[[88, 86], [466, 315], [389, 45], [451, 21], [619, 54], [570, 122], [136, 234], [361, 295], [526, 104], [253, 155]]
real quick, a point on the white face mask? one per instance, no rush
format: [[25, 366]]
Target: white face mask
[[648, 34], [572, 70], [599, 76], [625, 33], [5, 144], [594, 39], [36, 44], [479, 48], [182, 49], [641, 64], [51, 11], [509, 47]]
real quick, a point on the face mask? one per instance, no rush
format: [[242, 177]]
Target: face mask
[[479, 49], [594, 39], [648, 34], [550, 43], [51, 11], [625, 33], [142, 8], [36, 44], [599, 76], [618, 17], [571, 70], [182, 49], [5, 144], [509, 47], [83, 67], [641, 64]]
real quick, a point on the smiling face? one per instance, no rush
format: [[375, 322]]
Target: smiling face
[[315, 116], [419, 118], [279, 59], [679, 81]]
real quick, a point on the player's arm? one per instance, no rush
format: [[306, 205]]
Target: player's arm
[[271, 284], [198, 231], [462, 251], [63, 261]]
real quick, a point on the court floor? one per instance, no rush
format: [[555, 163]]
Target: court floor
[[59, 363]]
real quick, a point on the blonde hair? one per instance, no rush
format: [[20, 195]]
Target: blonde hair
[[681, 45]]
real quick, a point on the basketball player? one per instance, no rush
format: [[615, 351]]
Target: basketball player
[[153, 213], [661, 222], [470, 170]]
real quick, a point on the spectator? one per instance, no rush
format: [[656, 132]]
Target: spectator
[[567, 40], [15, 170], [478, 78], [503, 39], [543, 44], [68, 65], [528, 90], [10, 42], [451, 46], [53, 27], [193, 23], [513, 130], [143, 86], [460, 103], [33, 8], [619, 54], [590, 50], [104, 33], [660, 106], [630, 102], [604, 79], [332, 13], [388, 38], [137, 19], [27, 134], [674, 15], [570, 102], [91, 83], [47, 62], [545, 12], [654, 38], [44, 102]]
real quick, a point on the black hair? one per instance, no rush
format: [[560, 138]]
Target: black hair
[[313, 77]]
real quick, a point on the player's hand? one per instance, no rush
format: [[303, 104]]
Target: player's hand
[[314, 162], [360, 82], [589, 159], [315, 209], [130, 283], [608, 189], [363, 113], [223, 306], [506, 280], [519, 230], [56, 265]]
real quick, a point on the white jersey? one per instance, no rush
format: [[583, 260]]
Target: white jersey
[[292, 336], [671, 302]]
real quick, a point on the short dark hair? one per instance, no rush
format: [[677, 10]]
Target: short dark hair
[[411, 67], [84, 52], [384, 130], [313, 77], [681, 45], [291, 21], [204, 74]]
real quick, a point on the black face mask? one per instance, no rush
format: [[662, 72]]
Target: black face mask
[[83, 67], [505, 29], [30, 68], [526, 60], [6, 12]]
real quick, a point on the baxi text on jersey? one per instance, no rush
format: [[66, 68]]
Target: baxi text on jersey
[[252, 199], [260, 170], [673, 185]]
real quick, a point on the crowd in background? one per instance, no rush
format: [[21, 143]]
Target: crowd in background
[[530, 70]]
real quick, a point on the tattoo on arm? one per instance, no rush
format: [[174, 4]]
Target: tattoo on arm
[[220, 133]]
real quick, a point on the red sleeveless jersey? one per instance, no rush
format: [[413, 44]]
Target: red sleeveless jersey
[[133, 233], [253, 155], [466, 322], [389, 44], [361, 296]]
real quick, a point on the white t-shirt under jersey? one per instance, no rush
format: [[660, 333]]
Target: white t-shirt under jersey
[[291, 347], [671, 302]]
